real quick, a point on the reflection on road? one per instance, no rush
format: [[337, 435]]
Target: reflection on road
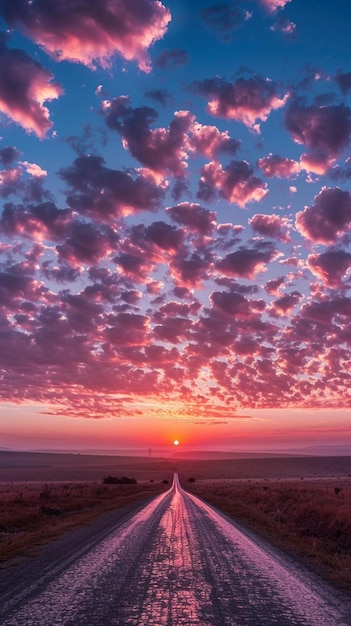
[[177, 562]]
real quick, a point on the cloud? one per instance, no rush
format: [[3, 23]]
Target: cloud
[[330, 266], [134, 266], [189, 271], [158, 95], [223, 19], [161, 150], [39, 221], [323, 310], [165, 150], [275, 165], [285, 27], [176, 57], [247, 262], [324, 129], [164, 236], [210, 142], [194, 217], [285, 304], [235, 182], [8, 155], [271, 226], [24, 87], [249, 101], [235, 304], [273, 5], [316, 163], [127, 329], [88, 31], [172, 322], [101, 192], [9, 181], [328, 219], [343, 79], [87, 243]]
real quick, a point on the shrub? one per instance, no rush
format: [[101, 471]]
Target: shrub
[[115, 480]]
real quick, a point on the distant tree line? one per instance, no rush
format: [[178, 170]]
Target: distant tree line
[[115, 480]]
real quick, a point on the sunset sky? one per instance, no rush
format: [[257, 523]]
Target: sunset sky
[[175, 224]]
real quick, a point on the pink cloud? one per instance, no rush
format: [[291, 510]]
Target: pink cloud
[[274, 5], [173, 329], [273, 287], [323, 310], [86, 243], [164, 236], [247, 262], [324, 129], [249, 101], [330, 266], [40, 221], [33, 169], [129, 329], [9, 180], [274, 165], [236, 183], [328, 219], [235, 304], [285, 27], [210, 142], [162, 150], [271, 226], [88, 32], [134, 266], [285, 304], [165, 150], [316, 163], [101, 192], [24, 87], [189, 272], [194, 217]]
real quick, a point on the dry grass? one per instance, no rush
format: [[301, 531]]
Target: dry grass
[[310, 519], [32, 514]]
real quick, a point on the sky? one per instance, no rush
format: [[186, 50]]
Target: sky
[[175, 224]]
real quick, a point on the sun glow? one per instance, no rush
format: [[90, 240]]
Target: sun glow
[[176, 442]]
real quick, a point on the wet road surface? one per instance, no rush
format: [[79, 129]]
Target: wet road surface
[[176, 562]]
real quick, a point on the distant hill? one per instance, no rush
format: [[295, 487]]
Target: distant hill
[[203, 455]]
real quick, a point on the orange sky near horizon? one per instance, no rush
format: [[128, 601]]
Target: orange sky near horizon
[[259, 430]]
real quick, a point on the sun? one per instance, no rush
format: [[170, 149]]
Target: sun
[[176, 442]]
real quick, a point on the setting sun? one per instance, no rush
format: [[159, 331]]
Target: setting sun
[[176, 442]]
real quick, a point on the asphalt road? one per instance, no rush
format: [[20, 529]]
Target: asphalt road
[[174, 562]]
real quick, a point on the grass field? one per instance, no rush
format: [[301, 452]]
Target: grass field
[[302, 504]]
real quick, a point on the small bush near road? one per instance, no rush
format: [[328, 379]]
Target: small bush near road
[[114, 480]]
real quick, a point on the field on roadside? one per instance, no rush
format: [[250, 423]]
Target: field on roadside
[[302, 504], [311, 520], [44, 494]]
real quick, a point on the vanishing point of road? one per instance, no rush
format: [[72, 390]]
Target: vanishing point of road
[[175, 562]]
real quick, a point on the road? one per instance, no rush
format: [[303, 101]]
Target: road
[[175, 562]]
